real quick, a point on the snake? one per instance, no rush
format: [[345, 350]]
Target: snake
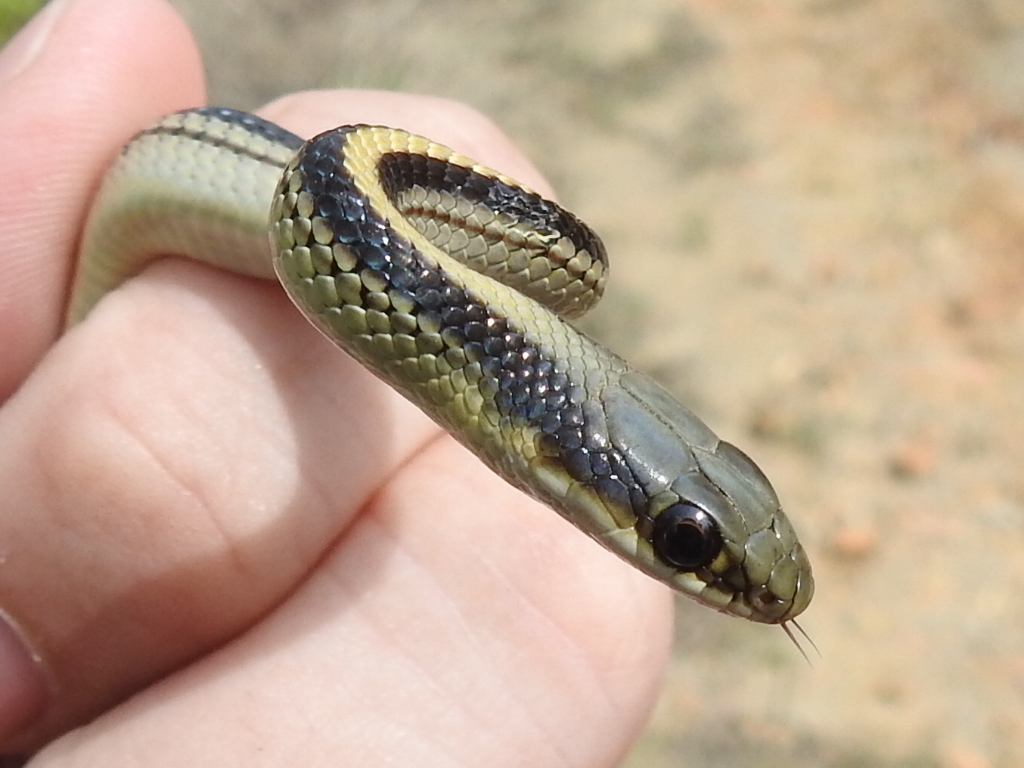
[[455, 285]]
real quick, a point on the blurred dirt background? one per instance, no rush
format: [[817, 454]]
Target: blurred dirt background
[[815, 211]]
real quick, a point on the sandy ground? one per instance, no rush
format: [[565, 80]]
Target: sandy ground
[[837, 189]]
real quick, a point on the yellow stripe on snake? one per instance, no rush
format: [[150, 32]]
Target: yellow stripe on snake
[[450, 282]]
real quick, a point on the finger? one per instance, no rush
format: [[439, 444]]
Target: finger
[[75, 84], [455, 620], [169, 476], [445, 121]]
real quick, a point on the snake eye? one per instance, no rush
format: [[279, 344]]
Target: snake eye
[[686, 537]]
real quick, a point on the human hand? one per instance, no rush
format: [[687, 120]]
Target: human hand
[[227, 543]]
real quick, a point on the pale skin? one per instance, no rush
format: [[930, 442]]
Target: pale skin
[[224, 541]]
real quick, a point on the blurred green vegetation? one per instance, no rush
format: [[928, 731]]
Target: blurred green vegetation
[[14, 13]]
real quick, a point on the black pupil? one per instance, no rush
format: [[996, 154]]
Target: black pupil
[[685, 536]]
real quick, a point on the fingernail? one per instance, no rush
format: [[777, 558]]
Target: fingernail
[[22, 685], [22, 49]]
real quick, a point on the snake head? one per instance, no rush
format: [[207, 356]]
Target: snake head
[[708, 522]]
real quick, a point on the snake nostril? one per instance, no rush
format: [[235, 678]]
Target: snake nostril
[[765, 597]]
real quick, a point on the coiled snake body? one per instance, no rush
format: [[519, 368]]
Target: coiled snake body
[[394, 247]]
